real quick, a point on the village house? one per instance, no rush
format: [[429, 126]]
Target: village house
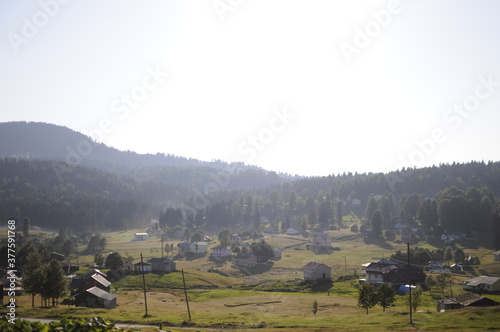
[[82, 283], [482, 284], [496, 255], [164, 265], [141, 236], [198, 247], [321, 240], [385, 271], [235, 238], [221, 251], [375, 271], [437, 267], [292, 231], [95, 298], [145, 266], [127, 265], [463, 301], [246, 260], [184, 248], [317, 271]]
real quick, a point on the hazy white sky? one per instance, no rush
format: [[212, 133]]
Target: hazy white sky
[[304, 87]]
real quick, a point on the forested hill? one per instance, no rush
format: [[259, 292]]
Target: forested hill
[[37, 140], [456, 198], [54, 194]]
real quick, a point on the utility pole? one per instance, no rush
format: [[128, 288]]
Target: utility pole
[[409, 283], [345, 264], [144, 288], [186, 294]]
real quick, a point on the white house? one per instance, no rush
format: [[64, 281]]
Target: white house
[[482, 284], [375, 271], [198, 247], [292, 231], [317, 271], [141, 236], [221, 251], [496, 255], [320, 240]]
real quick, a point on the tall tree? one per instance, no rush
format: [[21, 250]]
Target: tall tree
[[416, 298], [367, 298], [33, 276], [197, 236], [224, 237], [385, 208], [386, 296], [339, 211], [68, 247], [114, 261], [410, 206], [26, 227], [377, 221], [312, 216], [371, 206], [55, 284]]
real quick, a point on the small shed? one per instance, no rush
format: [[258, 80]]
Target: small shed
[[95, 298], [466, 300]]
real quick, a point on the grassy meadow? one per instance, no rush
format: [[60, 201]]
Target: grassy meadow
[[218, 301]]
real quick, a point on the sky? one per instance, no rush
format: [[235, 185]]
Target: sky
[[314, 87]]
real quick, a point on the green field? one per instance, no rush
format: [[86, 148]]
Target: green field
[[221, 301]]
